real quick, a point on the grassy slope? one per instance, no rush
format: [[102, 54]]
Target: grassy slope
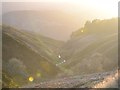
[[93, 50], [26, 50]]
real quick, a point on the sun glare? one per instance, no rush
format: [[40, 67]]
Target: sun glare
[[98, 8], [107, 7]]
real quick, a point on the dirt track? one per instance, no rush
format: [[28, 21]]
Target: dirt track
[[97, 80]]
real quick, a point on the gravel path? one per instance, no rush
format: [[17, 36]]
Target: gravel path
[[97, 80]]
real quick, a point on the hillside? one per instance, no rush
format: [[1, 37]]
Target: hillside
[[55, 24], [91, 52], [25, 55], [93, 48]]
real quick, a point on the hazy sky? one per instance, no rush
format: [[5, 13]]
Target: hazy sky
[[106, 8], [86, 9], [81, 10]]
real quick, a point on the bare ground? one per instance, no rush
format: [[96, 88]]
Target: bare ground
[[97, 80]]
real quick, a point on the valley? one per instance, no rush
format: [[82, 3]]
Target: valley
[[33, 60]]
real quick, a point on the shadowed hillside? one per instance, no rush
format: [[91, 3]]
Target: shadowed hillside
[[93, 48], [25, 55]]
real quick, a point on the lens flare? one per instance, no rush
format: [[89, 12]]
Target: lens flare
[[31, 79], [38, 75], [82, 31]]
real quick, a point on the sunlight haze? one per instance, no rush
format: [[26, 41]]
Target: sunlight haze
[[106, 8], [59, 44], [68, 14]]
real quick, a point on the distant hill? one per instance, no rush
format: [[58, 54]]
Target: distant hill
[[51, 23], [102, 27], [26, 54], [93, 48]]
